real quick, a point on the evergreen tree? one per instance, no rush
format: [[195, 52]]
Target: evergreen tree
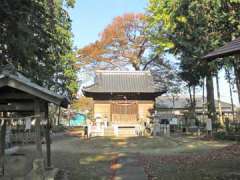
[[36, 38]]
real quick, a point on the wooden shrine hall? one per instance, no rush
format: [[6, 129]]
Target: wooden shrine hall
[[123, 100], [20, 97]]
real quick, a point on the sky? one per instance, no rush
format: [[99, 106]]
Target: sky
[[90, 17]]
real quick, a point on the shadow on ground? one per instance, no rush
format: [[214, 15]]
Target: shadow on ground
[[108, 158]]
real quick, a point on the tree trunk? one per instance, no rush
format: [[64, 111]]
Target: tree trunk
[[219, 101], [203, 101], [194, 100], [136, 66], [194, 105], [236, 66], [230, 89], [190, 95], [229, 78], [210, 100], [173, 105]]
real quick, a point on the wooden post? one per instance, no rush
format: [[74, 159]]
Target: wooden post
[[59, 113], [111, 107], [2, 144], [137, 106], [3, 134], [47, 136], [38, 139]]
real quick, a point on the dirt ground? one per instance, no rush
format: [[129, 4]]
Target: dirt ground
[[161, 157]]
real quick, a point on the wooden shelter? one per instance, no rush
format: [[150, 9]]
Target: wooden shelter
[[230, 48], [123, 100], [20, 96]]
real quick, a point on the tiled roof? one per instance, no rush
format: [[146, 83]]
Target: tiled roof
[[166, 102], [228, 49], [124, 82], [10, 77]]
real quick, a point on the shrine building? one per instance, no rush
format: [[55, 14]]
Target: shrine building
[[123, 101]]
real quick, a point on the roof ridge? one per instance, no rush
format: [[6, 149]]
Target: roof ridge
[[124, 82]]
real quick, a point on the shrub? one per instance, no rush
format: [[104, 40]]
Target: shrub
[[224, 136], [220, 135]]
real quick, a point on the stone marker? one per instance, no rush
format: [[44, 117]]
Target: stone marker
[[38, 171]]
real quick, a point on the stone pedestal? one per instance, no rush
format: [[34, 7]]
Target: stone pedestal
[[38, 170]]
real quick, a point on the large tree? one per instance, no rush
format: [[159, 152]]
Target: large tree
[[228, 27], [190, 26], [125, 44], [121, 43], [36, 38]]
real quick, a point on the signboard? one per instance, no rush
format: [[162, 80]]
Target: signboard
[[209, 125], [174, 121]]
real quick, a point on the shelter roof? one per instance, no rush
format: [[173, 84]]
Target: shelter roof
[[9, 77], [228, 49]]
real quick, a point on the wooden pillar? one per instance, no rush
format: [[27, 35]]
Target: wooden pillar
[[137, 106], [111, 107], [59, 114], [38, 139], [47, 136], [2, 143], [3, 135]]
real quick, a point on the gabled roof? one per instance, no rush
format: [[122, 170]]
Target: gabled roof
[[228, 49], [124, 82], [13, 79], [166, 102]]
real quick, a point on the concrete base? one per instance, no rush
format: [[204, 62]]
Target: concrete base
[[52, 174]]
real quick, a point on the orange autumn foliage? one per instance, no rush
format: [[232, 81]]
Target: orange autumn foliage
[[83, 104], [121, 42]]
